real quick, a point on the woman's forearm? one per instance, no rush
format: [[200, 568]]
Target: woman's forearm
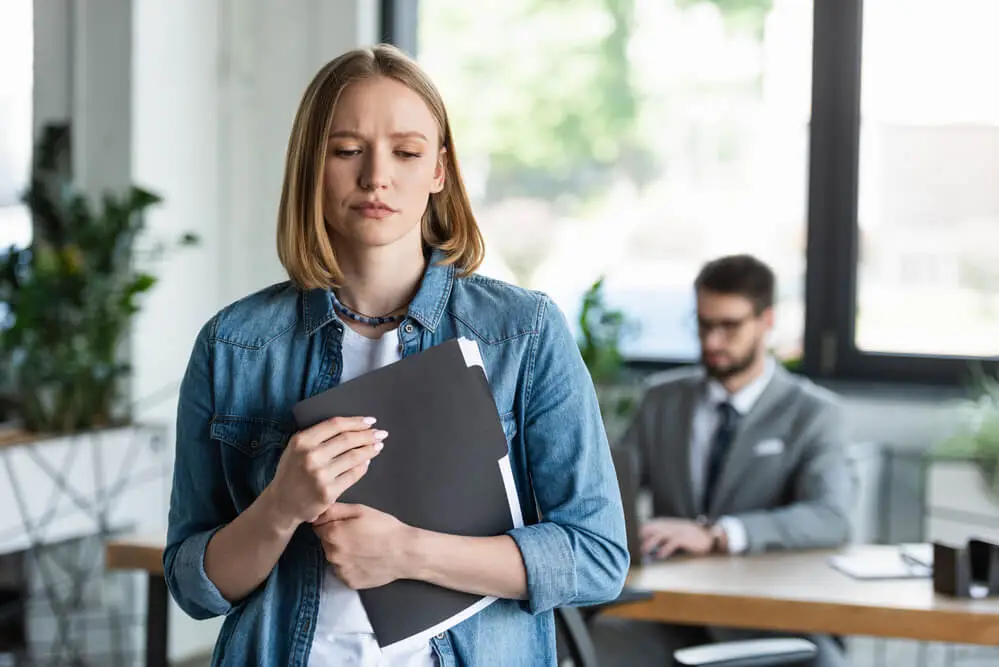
[[478, 565], [242, 554]]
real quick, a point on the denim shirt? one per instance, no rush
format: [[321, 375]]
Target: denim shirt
[[259, 356]]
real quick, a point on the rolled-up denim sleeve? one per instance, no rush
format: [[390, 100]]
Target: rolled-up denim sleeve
[[199, 502], [576, 554]]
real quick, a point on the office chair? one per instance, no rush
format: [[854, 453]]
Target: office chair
[[777, 652], [570, 627]]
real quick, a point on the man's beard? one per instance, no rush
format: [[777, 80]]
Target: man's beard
[[735, 368]]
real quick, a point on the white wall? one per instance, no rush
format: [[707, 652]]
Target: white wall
[[910, 422]]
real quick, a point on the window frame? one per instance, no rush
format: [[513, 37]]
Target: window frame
[[833, 234]]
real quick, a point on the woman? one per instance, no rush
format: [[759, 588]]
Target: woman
[[378, 238]]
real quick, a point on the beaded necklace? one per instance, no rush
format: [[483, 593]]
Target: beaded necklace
[[370, 320]]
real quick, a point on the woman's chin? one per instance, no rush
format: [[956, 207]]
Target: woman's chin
[[371, 239], [363, 232]]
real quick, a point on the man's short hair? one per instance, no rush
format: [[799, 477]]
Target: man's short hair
[[741, 275]]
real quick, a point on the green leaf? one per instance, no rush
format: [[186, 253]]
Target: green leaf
[[140, 200], [142, 283]]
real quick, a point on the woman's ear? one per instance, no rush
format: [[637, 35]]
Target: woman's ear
[[440, 171]]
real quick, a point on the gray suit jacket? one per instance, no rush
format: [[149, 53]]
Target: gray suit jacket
[[796, 499]]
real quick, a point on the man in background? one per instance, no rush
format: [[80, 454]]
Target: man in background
[[740, 457]]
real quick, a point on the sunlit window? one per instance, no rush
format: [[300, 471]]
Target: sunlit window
[[634, 139], [929, 178]]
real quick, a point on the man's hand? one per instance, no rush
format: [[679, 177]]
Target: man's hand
[[365, 546], [663, 537]]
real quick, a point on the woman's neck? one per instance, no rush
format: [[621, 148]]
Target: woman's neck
[[380, 281]]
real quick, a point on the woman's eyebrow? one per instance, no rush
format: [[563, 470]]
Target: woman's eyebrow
[[350, 134]]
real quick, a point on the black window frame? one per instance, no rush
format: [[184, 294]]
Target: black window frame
[[833, 235]]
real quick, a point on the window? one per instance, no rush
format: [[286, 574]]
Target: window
[[852, 145], [928, 276], [16, 73], [649, 138]]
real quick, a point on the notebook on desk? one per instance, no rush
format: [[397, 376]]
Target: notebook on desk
[[906, 561]]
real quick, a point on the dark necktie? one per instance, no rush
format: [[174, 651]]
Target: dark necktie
[[720, 444]]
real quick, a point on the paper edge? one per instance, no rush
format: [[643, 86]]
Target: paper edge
[[446, 624], [852, 566], [506, 471], [470, 351]]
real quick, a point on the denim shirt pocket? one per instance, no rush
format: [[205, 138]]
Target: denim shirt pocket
[[251, 449]]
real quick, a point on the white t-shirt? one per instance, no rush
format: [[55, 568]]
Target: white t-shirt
[[344, 637]]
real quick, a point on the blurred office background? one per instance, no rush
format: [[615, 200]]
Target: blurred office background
[[624, 139]]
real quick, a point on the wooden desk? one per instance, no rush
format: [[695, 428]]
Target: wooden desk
[[146, 554], [136, 553], [791, 592], [800, 592]]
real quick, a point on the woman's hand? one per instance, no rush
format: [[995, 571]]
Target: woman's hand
[[365, 546], [319, 464]]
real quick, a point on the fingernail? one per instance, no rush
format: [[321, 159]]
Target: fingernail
[[381, 435], [369, 420], [379, 446]]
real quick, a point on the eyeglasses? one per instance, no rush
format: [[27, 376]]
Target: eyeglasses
[[727, 327]]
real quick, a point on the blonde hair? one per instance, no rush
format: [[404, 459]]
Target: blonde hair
[[303, 240]]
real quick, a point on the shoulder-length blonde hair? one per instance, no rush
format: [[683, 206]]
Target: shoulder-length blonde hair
[[303, 239]]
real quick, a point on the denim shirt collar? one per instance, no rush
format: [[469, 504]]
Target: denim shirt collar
[[427, 306]]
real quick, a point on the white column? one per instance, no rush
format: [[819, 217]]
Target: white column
[[52, 90], [271, 49], [101, 102], [175, 153], [176, 51]]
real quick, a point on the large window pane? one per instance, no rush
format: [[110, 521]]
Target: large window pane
[[15, 118], [632, 138], [929, 178]]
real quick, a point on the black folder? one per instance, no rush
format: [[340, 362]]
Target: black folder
[[442, 469]]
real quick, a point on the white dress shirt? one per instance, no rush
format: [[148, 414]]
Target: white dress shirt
[[703, 427], [344, 637]]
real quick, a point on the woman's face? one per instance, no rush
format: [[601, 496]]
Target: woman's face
[[383, 162]]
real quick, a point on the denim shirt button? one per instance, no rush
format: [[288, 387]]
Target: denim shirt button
[[440, 636], [408, 328]]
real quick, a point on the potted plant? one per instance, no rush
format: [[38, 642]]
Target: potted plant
[[602, 330], [977, 437], [70, 297]]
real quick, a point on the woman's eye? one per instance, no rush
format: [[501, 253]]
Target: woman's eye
[[347, 152], [409, 155]]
